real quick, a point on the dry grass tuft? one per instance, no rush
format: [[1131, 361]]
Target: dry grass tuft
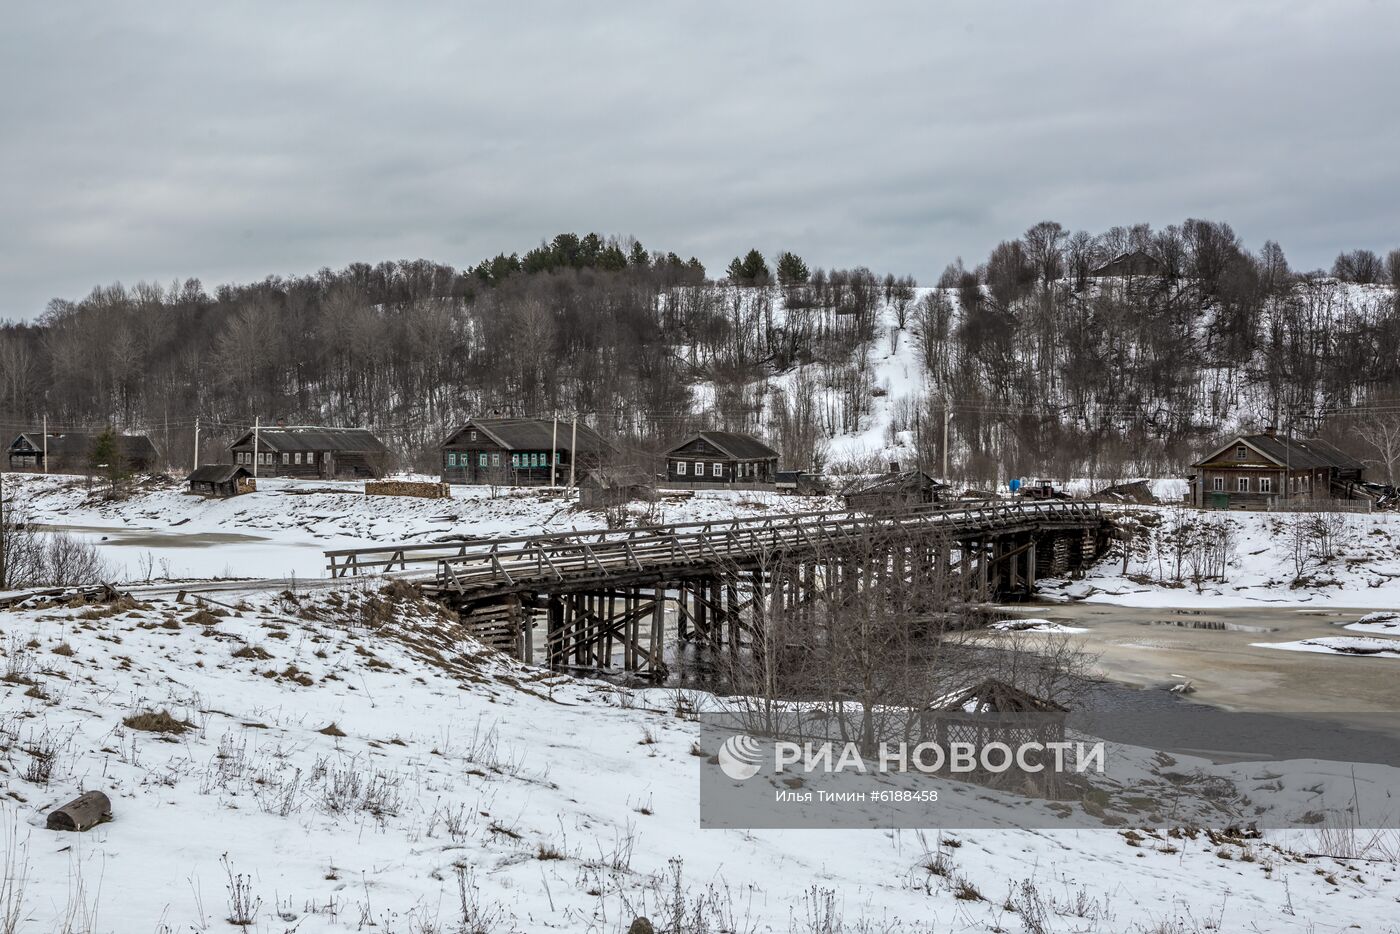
[[152, 721], [331, 729]]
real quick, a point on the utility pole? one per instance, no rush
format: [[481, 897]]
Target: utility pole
[[573, 451], [947, 417], [4, 540], [196, 442], [554, 452], [45, 436], [257, 423]]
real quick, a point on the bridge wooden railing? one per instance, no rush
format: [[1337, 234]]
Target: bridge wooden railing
[[346, 562], [587, 557]]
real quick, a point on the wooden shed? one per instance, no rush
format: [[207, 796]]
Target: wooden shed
[[312, 452], [73, 451], [609, 487], [521, 452], [221, 480], [897, 489], [717, 458]]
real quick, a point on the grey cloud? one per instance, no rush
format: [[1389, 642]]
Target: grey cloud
[[143, 143]]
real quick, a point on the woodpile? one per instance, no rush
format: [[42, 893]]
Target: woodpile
[[45, 597], [422, 490]]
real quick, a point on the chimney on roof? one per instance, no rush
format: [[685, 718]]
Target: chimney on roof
[[1271, 430], [894, 466]]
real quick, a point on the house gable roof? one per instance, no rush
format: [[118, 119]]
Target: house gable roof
[[732, 444], [902, 481], [81, 443], [1294, 453], [314, 438], [534, 434]]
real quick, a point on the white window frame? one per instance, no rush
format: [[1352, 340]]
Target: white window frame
[[297, 459], [1241, 484], [680, 468], [1241, 452], [286, 457], [1217, 484], [699, 468], [1266, 484], [717, 469]]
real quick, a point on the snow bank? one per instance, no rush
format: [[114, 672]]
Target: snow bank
[[347, 764]]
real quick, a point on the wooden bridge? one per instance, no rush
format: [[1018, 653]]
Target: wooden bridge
[[601, 594]]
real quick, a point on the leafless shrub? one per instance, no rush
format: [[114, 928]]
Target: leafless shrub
[[243, 906], [14, 876], [478, 915]]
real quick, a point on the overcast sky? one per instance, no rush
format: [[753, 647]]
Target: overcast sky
[[141, 142]]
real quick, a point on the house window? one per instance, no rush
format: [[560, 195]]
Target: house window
[[451, 459], [286, 458], [481, 459], [558, 457], [496, 459], [1266, 485], [297, 458], [1241, 453], [515, 460], [1218, 484], [716, 469], [1242, 485], [311, 457], [680, 468], [699, 468], [473, 436]]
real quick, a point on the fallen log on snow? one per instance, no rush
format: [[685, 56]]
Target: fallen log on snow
[[82, 813]]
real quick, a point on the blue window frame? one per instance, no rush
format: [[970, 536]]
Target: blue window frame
[[451, 459], [515, 460], [481, 459]]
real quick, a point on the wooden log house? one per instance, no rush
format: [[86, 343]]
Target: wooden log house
[[311, 452], [519, 451], [1262, 471], [72, 452], [721, 458]]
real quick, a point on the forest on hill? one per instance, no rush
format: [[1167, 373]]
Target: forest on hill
[[1037, 359]]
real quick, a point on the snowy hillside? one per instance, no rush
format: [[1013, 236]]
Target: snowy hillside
[[339, 762]]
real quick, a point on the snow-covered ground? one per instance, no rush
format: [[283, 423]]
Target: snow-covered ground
[[345, 764], [283, 528], [1363, 571]]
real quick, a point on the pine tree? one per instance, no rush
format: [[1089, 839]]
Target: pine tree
[[639, 257], [791, 269], [756, 269], [107, 459]]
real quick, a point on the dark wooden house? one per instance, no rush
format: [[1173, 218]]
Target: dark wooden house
[[1264, 470], [897, 489], [1128, 265], [521, 452], [221, 480], [312, 452], [73, 452], [717, 458]]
